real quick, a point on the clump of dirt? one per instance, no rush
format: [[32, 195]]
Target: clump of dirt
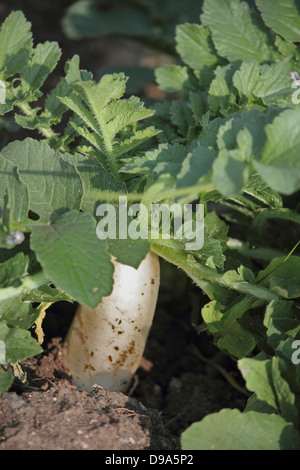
[[49, 413]]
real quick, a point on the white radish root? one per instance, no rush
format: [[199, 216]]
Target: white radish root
[[104, 346]]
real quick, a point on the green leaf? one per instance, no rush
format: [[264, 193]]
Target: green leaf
[[252, 123], [54, 108], [81, 266], [286, 399], [130, 252], [95, 179], [258, 194], [283, 18], [272, 82], [237, 341], [139, 137], [73, 72], [17, 192], [172, 78], [280, 213], [17, 344], [279, 164], [139, 76], [230, 172], [43, 61], [254, 404], [216, 227], [211, 253], [196, 49], [233, 430], [166, 159], [16, 44], [266, 379], [236, 33], [45, 294], [280, 322], [6, 379], [233, 339], [285, 48], [258, 377], [105, 114], [12, 270], [27, 284], [197, 103], [84, 20], [30, 122], [282, 276], [181, 117], [222, 94], [285, 350], [197, 164], [17, 313], [52, 183]]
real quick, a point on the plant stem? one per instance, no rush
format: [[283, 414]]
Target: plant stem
[[176, 192], [199, 272], [108, 146], [27, 110], [114, 167]]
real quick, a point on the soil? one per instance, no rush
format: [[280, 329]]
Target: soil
[[49, 413], [182, 376]]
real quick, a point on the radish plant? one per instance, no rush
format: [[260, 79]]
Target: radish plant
[[229, 140]]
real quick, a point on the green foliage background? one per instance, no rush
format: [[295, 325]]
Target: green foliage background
[[229, 139]]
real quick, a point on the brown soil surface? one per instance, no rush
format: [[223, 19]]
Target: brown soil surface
[[172, 389], [56, 416]]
